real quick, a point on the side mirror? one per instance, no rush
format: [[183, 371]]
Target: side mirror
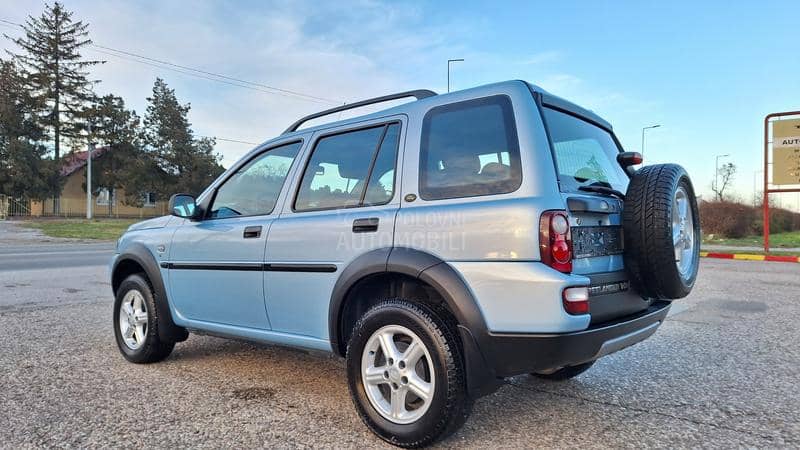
[[182, 205], [627, 159]]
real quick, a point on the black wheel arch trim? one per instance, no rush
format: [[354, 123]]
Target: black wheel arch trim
[[449, 285], [139, 254]]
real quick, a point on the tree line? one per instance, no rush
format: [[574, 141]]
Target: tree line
[[48, 107]]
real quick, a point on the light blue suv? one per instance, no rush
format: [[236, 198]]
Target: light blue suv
[[440, 246]]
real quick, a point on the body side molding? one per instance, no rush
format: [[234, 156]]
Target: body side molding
[[251, 267]]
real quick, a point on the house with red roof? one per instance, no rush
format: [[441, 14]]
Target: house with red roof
[[105, 202]]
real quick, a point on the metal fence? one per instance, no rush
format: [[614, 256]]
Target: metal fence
[[14, 207], [74, 208]]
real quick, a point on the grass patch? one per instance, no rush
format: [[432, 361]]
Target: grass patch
[[786, 240], [102, 229]]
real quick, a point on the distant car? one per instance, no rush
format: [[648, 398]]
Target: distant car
[[440, 246]]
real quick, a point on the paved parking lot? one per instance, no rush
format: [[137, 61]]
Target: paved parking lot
[[721, 372]]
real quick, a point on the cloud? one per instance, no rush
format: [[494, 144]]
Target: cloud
[[542, 58], [560, 83], [343, 51], [340, 51]]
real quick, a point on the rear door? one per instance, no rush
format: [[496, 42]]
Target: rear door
[[585, 156], [344, 205]]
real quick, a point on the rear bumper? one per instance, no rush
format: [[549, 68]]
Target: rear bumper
[[513, 354]]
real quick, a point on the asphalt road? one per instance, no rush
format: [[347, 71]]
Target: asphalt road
[[25, 248], [54, 256], [721, 372]]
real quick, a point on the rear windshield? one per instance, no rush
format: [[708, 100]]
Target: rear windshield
[[585, 153]]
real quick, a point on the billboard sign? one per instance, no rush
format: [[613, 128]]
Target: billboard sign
[[786, 152]]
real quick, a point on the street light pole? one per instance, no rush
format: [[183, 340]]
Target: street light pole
[[647, 128], [716, 173], [448, 70], [89, 151]]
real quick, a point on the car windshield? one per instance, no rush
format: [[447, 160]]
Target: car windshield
[[585, 153]]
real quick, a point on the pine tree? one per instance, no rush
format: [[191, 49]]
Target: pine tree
[[117, 128], [188, 164], [24, 172], [51, 47]]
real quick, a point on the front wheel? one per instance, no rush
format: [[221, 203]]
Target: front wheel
[[406, 374], [136, 322]]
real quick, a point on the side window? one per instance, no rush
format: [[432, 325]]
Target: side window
[[468, 149], [350, 169], [254, 188], [381, 182]]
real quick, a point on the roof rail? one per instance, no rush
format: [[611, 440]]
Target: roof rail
[[418, 94]]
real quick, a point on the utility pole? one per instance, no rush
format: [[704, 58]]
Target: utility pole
[[448, 70], [90, 151], [647, 128]]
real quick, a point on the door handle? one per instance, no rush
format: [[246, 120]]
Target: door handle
[[365, 225], [252, 232]]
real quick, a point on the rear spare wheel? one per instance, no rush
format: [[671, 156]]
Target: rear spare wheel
[[662, 232]]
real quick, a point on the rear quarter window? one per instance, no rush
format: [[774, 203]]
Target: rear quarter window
[[469, 149]]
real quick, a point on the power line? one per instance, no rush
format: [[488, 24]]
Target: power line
[[196, 75], [272, 88], [236, 141], [211, 76]]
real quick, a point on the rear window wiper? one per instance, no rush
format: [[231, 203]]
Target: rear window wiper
[[602, 188]]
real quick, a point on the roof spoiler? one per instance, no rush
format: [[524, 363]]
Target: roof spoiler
[[419, 94]]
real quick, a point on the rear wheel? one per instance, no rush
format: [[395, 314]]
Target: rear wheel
[[565, 373], [136, 322], [406, 375], [662, 232]]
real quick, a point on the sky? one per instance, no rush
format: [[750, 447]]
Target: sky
[[707, 72]]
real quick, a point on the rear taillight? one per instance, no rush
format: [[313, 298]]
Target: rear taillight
[[576, 300], [555, 241]]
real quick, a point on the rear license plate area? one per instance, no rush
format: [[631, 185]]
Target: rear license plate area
[[588, 242]]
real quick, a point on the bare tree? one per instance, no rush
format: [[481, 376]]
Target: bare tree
[[723, 180]]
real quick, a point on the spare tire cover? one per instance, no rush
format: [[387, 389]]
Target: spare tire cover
[[661, 228]]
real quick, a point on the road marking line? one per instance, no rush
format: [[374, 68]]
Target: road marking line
[[751, 257], [748, 257], [719, 255]]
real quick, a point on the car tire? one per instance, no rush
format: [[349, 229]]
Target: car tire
[[661, 227], [136, 322], [565, 373], [379, 380]]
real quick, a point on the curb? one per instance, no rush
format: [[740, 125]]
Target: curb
[[749, 257]]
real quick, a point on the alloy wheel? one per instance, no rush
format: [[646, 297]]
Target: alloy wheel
[[683, 233], [397, 374], [133, 319]]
